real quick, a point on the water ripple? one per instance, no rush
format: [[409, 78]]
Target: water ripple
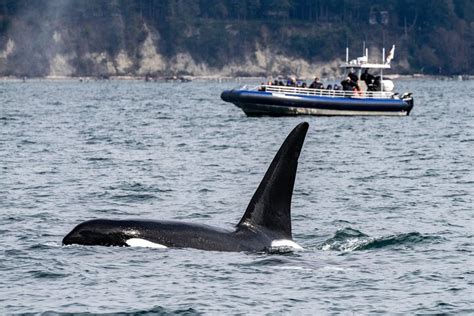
[[381, 205], [349, 239]]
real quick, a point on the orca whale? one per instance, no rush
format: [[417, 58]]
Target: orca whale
[[265, 225]]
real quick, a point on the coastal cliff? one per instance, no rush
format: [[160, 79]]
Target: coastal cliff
[[230, 38]]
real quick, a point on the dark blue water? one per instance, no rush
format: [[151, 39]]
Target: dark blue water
[[383, 206]]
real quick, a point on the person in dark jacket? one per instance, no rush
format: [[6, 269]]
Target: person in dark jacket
[[377, 84], [348, 85], [316, 84], [353, 76], [369, 80], [354, 79]]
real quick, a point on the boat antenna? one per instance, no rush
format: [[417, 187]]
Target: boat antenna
[[381, 70], [347, 54]]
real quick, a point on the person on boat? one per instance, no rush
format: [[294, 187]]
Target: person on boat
[[369, 80], [291, 82], [353, 76], [348, 85], [377, 84], [316, 84]]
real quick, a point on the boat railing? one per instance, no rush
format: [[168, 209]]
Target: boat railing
[[326, 92]]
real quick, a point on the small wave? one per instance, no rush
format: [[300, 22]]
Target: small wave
[[47, 275], [220, 146], [346, 233], [349, 239], [97, 159], [112, 211], [56, 103], [205, 190], [137, 187], [197, 215], [27, 142], [157, 310], [133, 197], [271, 261], [6, 118], [46, 245], [15, 253]]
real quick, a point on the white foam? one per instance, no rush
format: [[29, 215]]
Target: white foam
[[138, 242], [286, 243]]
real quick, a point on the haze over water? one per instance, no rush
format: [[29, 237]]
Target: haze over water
[[382, 206]]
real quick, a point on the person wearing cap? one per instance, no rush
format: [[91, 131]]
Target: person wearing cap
[[347, 84]]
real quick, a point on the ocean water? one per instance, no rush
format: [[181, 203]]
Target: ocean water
[[383, 206]]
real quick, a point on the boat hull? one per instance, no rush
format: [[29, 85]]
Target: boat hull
[[261, 103]]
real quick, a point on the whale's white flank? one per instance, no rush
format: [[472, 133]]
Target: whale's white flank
[[138, 242], [286, 243]]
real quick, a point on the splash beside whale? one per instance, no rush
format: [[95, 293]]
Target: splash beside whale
[[266, 223]]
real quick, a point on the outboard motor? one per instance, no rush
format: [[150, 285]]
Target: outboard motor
[[406, 95]]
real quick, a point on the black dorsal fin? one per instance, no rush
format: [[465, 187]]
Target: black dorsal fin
[[270, 206]]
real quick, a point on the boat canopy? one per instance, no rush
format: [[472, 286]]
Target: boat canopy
[[364, 66], [363, 62]]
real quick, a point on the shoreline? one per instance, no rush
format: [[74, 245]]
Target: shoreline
[[218, 78]]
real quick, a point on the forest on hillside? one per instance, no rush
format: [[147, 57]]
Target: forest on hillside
[[199, 37]]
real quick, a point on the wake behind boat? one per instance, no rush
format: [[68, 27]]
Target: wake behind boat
[[363, 94]]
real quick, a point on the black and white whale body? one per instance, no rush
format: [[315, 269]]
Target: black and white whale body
[[265, 225]]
